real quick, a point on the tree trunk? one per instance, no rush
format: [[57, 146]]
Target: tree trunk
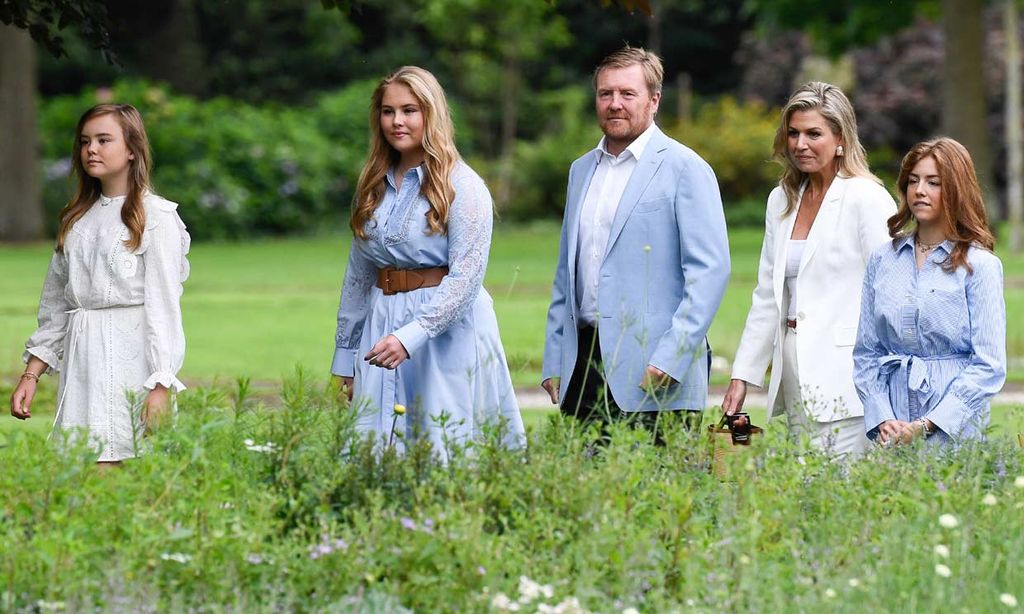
[[963, 89], [21, 208], [512, 74], [1014, 141]]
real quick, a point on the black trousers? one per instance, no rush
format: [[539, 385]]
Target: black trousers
[[589, 399]]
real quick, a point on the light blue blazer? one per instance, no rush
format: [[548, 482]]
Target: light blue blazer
[[663, 277]]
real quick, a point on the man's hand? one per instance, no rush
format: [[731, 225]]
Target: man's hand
[[345, 386], [551, 386], [655, 378]]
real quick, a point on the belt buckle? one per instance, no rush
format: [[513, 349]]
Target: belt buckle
[[386, 286]]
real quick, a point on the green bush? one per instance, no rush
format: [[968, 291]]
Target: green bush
[[736, 140], [234, 168], [242, 508]]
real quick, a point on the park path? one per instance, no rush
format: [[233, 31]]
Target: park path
[[1012, 394]]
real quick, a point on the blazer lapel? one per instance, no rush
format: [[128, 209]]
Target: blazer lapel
[[645, 170], [573, 209], [824, 225]]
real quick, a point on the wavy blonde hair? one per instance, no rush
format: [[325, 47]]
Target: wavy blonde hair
[[835, 107], [89, 189], [964, 219], [438, 144]]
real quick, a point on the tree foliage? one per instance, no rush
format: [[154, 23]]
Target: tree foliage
[[46, 19]]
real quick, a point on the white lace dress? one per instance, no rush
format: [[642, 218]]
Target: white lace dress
[[456, 366], [110, 322]]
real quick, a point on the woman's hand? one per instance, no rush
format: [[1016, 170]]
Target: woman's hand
[[896, 432], [21, 398], [387, 353], [345, 387], [734, 397], [155, 408]]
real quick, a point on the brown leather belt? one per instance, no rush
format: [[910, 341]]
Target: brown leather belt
[[791, 324], [392, 280]]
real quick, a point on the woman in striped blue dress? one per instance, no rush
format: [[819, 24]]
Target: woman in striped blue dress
[[931, 345]]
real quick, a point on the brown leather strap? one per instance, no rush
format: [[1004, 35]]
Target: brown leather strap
[[392, 280], [791, 324]]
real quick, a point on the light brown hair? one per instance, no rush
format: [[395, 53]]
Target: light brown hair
[[89, 188], [964, 220], [835, 107], [628, 56], [438, 143]]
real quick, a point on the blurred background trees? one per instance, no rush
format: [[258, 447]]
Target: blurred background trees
[[257, 108]]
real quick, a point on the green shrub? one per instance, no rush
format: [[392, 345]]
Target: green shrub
[[736, 140], [242, 508], [234, 168]]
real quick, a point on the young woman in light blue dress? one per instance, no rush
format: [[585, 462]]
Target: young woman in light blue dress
[[415, 326], [931, 345]]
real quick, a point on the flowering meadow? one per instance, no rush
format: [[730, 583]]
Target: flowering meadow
[[251, 505]]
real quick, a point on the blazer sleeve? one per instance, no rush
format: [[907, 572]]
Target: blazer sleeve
[[875, 206], [758, 339], [558, 310], [704, 258]]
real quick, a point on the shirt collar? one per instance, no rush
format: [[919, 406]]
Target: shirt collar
[[390, 175], [636, 148], [910, 240]]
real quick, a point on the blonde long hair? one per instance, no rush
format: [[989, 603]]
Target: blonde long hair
[[438, 144], [835, 107], [964, 219], [89, 189]]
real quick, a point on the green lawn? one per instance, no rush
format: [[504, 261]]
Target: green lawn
[[260, 308]]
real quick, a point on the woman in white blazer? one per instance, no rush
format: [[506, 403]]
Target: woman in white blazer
[[822, 223]]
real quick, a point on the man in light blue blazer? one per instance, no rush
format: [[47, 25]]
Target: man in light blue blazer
[[643, 261]]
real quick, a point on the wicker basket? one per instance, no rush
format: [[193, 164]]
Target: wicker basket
[[726, 447]]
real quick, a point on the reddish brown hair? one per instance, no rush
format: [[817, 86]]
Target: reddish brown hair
[[89, 189], [964, 219]]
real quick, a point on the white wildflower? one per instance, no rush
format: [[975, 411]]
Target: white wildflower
[[744, 559], [502, 603], [177, 557], [1019, 482], [943, 571], [989, 500], [631, 611], [942, 550], [530, 590], [948, 521], [1008, 600], [854, 582], [830, 593]]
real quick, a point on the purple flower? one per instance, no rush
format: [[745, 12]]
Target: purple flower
[[480, 569], [408, 523], [340, 544]]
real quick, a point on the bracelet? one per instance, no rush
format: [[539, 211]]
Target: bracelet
[[924, 428], [29, 375]]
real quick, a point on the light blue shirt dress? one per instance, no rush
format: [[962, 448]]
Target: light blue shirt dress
[[456, 363], [931, 343]]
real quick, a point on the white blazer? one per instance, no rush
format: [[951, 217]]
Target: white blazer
[[849, 226]]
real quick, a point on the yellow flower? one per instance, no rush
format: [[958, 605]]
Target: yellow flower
[[399, 409]]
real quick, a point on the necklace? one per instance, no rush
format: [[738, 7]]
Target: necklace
[[924, 248]]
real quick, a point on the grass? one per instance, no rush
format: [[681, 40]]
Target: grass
[[240, 509]]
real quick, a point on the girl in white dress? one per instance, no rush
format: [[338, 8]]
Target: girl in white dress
[[109, 315]]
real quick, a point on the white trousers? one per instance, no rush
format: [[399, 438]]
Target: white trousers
[[843, 438]]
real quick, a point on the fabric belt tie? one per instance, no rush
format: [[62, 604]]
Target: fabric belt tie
[[76, 324], [392, 280], [913, 373]]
